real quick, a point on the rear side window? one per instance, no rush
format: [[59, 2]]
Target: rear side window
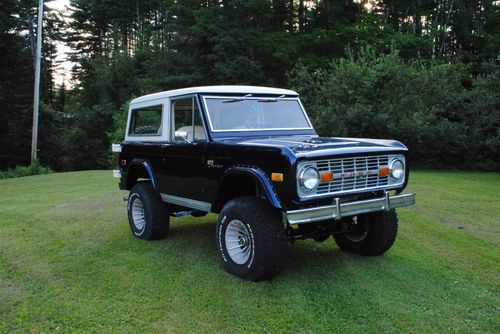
[[146, 121]]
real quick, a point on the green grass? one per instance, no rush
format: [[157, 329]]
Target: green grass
[[68, 263]]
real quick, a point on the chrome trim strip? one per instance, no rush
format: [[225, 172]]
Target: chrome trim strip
[[187, 202], [339, 210]]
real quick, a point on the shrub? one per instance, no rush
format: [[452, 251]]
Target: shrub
[[448, 117], [20, 171]]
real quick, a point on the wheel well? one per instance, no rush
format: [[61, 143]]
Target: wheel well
[[134, 174], [235, 185]]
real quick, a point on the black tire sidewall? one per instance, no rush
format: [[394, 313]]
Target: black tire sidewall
[[136, 232], [229, 214], [155, 212], [382, 232], [267, 237]]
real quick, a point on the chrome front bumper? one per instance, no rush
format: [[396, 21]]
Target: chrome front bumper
[[348, 209]]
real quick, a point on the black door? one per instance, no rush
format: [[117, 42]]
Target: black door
[[183, 172], [183, 165]]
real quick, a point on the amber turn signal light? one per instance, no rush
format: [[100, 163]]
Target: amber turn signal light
[[327, 177], [277, 177], [383, 171]]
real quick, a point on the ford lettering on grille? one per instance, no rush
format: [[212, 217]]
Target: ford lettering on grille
[[352, 174]]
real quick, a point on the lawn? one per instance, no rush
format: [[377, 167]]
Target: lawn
[[68, 263]]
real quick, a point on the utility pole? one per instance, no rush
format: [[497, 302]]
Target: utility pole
[[36, 98]]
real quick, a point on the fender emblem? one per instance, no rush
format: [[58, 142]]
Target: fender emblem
[[211, 164]]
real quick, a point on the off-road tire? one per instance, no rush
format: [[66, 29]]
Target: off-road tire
[[380, 236], [156, 218], [267, 238]]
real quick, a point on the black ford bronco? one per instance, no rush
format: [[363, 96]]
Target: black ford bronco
[[252, 155]]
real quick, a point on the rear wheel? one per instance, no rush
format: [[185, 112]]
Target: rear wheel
[[147, 213], [372, 234], [251, 239]]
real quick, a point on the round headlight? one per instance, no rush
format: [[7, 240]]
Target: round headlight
[[309, 178], [397, 169]]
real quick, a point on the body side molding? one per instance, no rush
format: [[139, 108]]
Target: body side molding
[[187, 202]]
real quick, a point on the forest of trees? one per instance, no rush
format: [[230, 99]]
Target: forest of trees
[[426, 72]]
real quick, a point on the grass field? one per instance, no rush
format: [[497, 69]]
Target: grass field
[[68, 263]]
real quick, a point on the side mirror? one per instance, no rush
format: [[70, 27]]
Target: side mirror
[[183, 135]]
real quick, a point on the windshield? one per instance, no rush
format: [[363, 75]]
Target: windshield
[[254, 114]]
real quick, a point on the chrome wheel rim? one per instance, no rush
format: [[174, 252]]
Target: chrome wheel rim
[[359, 236], [138, 215], [238, 242]]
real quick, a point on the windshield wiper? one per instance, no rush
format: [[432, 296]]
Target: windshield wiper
[[237, 99], [271, 99]]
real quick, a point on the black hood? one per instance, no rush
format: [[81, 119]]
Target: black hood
[[311, 146]]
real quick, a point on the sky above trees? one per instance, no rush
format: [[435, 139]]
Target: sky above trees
[[62, 73]]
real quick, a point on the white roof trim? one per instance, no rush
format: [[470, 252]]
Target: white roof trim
[[214, 89]]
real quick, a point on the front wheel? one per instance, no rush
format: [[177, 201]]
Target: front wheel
[[371, 234], [251, 239]]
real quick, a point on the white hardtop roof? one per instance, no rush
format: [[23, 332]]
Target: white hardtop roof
[[214, 89]]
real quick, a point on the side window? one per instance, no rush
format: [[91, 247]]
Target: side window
[[187, 125], [146, 121]]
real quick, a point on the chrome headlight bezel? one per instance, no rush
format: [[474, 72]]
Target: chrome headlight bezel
[[397, 170], [304, 175]]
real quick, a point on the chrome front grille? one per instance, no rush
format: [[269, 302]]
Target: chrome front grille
[[352, 174]]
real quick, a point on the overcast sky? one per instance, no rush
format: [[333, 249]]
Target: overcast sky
[[63, 70]]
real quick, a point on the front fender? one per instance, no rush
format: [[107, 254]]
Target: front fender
[[260, 178]]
